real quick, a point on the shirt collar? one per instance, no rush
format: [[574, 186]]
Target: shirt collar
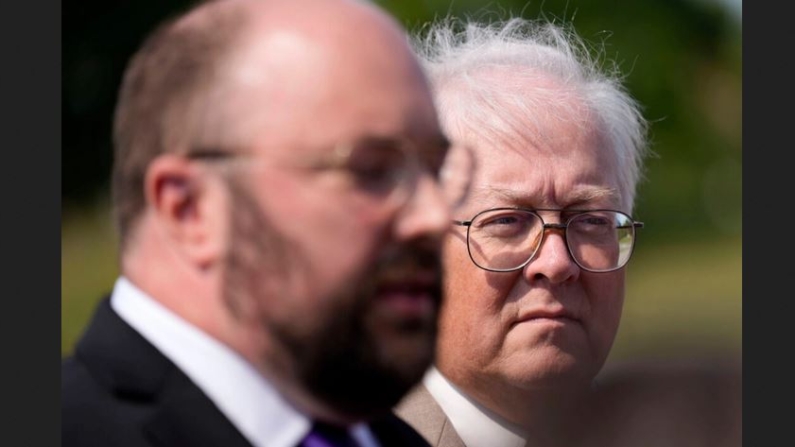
[[243, 395], [253, 406], [475, 424]]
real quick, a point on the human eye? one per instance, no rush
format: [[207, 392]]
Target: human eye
[[505, 224], [593, 223], [375, 168]]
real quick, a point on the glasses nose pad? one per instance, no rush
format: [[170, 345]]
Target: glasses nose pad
[[546, 238], [456, 173]]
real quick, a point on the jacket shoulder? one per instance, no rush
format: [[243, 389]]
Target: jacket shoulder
[[114, 420], [420, 410]]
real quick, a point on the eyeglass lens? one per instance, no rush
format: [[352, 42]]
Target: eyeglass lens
[[506, 239], [388, 171]]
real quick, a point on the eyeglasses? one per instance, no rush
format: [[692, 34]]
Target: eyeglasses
[[507, 239], [384, 170]]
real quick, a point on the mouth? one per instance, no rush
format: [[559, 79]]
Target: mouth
[[415, 297], [406, 284], [543, 317]]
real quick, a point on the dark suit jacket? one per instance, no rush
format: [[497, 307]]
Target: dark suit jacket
[[118, 390]]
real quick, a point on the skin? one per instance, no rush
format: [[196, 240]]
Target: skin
[[270, 253], [527, 344]]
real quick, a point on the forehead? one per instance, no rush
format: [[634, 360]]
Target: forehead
[[552, 156], [533, 134], [301, 90]]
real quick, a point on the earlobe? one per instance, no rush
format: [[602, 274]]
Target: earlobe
[[178, 194]]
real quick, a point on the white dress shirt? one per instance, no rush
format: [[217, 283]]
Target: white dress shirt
[[243, 395], [476, 425]]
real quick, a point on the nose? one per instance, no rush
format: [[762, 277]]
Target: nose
[[552, 260], [426, 213]]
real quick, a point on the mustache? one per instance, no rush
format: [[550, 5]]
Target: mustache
[[417, 261]]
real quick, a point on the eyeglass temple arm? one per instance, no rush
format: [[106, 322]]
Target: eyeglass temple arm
[[634, 224], [463, 223]]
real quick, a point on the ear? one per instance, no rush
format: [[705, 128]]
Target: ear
[[189, 206]]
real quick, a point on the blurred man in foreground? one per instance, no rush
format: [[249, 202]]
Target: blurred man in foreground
[[535, 265], [276, 186]]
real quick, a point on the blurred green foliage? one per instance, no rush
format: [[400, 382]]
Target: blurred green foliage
[[682, 60]]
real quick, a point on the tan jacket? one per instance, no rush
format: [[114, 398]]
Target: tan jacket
[[422, 412]]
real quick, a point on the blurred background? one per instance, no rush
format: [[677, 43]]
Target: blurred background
[[682, 59]]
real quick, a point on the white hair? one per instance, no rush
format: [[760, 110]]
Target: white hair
[[458, 57]]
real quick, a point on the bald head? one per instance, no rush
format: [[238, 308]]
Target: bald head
[[310, 61], [253, 73]]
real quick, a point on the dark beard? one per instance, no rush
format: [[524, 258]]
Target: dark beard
[[359, 360], [362, 361]]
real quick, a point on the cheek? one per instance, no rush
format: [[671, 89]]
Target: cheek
[[606, 299], [333, 243], [461, 288], [337, 252], [471, 315], [332, 235]]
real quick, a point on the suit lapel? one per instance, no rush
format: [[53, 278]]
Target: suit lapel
[[134, 371], [422, 412], [121, 359], [391, 431], [188, 418]]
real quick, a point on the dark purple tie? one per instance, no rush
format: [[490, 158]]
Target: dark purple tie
[[325, 435]]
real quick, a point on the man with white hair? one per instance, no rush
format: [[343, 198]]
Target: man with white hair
[[535, 265]]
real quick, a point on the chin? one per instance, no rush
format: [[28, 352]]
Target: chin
[[408, 349], [551, 367]]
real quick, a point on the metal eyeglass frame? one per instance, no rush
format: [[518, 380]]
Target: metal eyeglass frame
[[551, 226], [398, 187]]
